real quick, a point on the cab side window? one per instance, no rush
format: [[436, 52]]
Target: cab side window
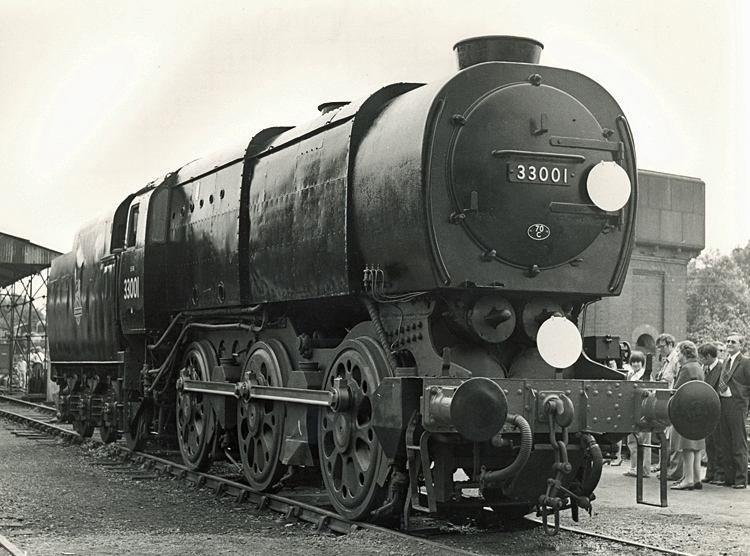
[[132, 226]]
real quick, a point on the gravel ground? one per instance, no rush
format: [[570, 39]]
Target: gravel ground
[[55, 501]]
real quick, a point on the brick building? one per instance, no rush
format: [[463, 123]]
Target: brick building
[[670, 230]]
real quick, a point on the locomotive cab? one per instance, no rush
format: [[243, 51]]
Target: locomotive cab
[[142, 265]]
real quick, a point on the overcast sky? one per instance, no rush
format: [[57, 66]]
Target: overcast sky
[[97, 98]]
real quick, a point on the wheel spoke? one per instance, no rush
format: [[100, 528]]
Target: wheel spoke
[[350, 478]]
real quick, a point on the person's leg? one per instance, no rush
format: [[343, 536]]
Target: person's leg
[[726, 440], [645, 438], [687, 482], [715, 439], [633, 447], [618, 455], [738, 454], [674, 469], [697, 468]]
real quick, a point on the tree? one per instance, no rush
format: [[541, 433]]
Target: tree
[[718, 295]]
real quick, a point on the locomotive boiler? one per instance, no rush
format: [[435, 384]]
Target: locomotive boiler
[[387, 296]]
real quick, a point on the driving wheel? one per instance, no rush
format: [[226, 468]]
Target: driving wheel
[[350, 455], [84, 427], [81, 423], [108, 425], [260, 423], [138, 430], [196, 422]]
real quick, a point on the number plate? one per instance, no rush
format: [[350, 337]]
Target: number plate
[[540, 172]]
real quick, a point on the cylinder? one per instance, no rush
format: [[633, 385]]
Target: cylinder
[[497, 48]]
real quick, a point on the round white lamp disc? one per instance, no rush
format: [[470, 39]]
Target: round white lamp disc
[[559, 342], [608, 186]]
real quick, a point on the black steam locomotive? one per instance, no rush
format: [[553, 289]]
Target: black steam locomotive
[[387, 295]]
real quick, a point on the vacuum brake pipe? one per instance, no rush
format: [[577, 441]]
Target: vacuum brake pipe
[[492, 478]]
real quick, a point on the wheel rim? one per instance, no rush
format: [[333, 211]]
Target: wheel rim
[[137, 433], [350, 453], [108, 426], [261, 422], [84, 428], [108, 433], [195, 417]]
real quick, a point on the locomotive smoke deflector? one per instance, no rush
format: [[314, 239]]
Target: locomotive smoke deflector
[[497, 48]]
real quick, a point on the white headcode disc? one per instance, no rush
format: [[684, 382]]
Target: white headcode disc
[[559, 342]]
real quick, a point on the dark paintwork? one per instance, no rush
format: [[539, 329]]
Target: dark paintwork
[[403, 204], [83, 283], [292, 218]]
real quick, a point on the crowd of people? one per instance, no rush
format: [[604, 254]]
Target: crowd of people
[[723, 366]]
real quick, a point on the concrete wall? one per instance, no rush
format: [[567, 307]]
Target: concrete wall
[[670, 231]]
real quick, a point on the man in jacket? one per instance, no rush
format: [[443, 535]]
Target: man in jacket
[[712, 365], [734, 392], [670, 366]]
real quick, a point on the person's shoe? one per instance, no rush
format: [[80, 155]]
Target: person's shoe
[[717, 482], [707, 480], [616, 462], [674, 477], [739, 486], [698, 486], [679, 486], [727, 484], [630, 474]]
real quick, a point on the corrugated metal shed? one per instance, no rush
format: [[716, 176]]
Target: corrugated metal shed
[[20, 258]]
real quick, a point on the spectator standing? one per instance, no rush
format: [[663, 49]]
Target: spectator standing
[[734, 391], [665, 346], [22, 371], [637, 369], [721, 351], [690, 369], [708, 355]]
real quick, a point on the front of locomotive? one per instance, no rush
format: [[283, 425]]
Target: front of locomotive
[[526, 204]]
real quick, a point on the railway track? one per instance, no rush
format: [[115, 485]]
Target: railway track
[[305, 504]]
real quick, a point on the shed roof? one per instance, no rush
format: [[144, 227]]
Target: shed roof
[[20, 258]]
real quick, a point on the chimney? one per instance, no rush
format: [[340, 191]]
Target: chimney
[[497, 48]]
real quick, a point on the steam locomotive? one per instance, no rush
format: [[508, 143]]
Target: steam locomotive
[[387, 296]]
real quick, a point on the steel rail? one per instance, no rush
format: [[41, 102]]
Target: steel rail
[[626, 542], [41, 408], [10, 547], [324, 521]]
